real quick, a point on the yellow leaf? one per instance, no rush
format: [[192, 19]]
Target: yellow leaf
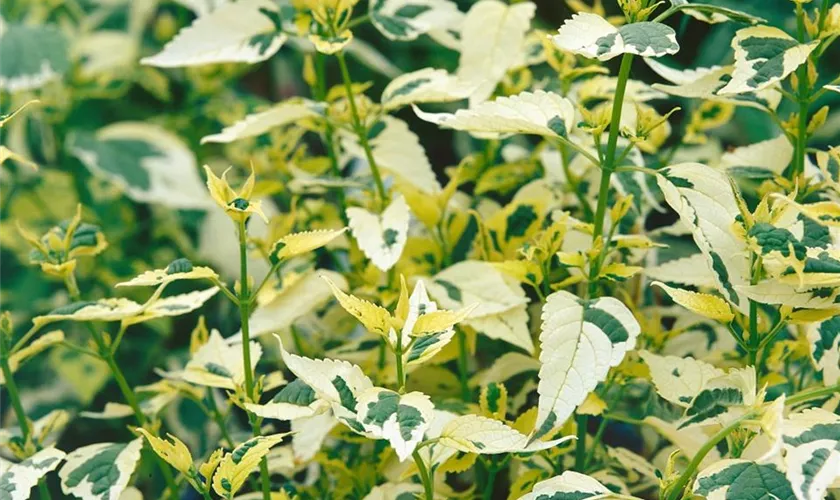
[[175, 452], [439, 321], [703, 304], [237, 465], [303, 242], [375, 318], [593, 405]]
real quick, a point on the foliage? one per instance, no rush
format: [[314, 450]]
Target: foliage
[[589, 299]]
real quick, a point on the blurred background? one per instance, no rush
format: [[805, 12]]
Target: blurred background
[[94, 47]]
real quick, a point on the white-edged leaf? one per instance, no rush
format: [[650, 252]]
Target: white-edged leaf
[[539, 112], [174, 305], [704, 83], [18, 479], [338, 382], [811, 440], [763, 56], [773, 155], [677, 379], [424, 85], [100, 471], [279, 115], [37, 346], [295, 400], [580, 341], [237, 465], [381, 237], [296, 299], [590, 35], [492, 42], [825, 348], [31, 56], [398, 151], [239, 31], [483, 435], [219, 364], [179, 269], [704, 200], [691, 271], [405, 20], [721, 399], [474, 282], [568, 485], [149, 163], [402, 419], [742, 479]]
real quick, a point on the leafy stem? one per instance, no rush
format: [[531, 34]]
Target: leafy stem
[[425, 476], [463, 370], [106, 353], [244, 301], [811, 394], [608, 165], [11, 387], [675, 491], [803, 100], [361, 129]]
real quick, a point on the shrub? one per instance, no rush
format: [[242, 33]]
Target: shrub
[[592, 300]]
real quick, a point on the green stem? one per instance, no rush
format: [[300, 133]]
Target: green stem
[[755, 339], [320, 92], [808, 395], [463, 370], [803, 100], [398, 351], [608, 165], [425, 477], [492, 470], [12, 388], [675, 491], [580, 446], [361, 129], [244, 314], [44, 489]]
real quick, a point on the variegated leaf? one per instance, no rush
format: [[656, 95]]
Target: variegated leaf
[[540, 113], [100, 471], [483, 435], [590, 35], [422, 86], [18, 479], [149, 163], [219, 364], [492, 42], [580, 341], [704, 200], [244, 31], [763, 56], [32, 55], [742, 479], [295, 400], [178, 269], [237, 465], [338, 382], [398, 151], [568, 485], [405, 20], [825, 348], [402, 419], [279, 115], [677, 379], [812, 452], [381, 237]]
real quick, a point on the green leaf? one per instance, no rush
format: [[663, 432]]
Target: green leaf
[[100, 471], [402, 419], [31, 56]]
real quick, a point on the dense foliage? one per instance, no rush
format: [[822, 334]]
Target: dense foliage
[[448, 251]]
